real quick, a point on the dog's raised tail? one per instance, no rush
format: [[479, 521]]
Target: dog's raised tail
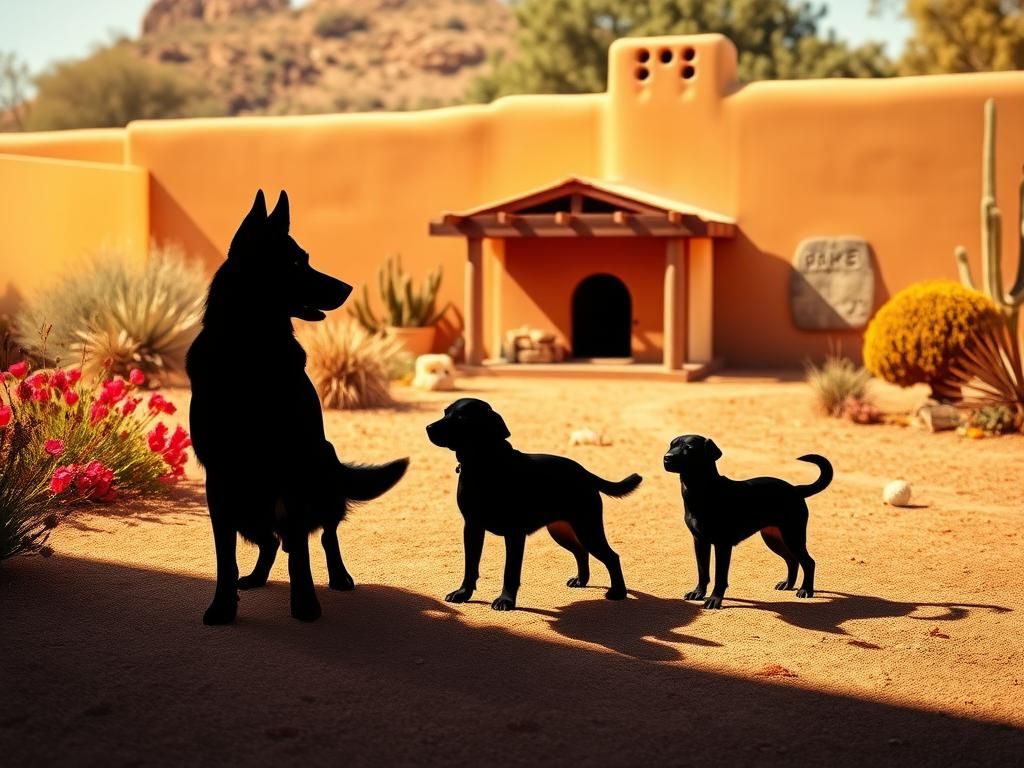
[[618, 490], [823, 480], [362, 482]]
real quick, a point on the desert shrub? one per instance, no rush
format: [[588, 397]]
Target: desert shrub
[[989, 372], [835, 382], [340, 23], [113, 315], [996, 419], [110, 88], [917, 335], [67, 441], [349, 366]]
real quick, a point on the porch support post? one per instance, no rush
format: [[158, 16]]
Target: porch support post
[[673, 340], [473, 301], [700, 300]]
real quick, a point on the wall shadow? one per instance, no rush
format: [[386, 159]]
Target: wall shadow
[[106, 664]]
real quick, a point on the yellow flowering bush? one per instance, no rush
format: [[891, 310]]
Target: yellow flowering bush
[[920, 331]]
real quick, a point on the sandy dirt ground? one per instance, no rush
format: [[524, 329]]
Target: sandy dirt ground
[[911, 653]]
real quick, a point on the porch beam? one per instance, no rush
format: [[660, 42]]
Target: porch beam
[[673, 342], [700, 300], [566, 224]]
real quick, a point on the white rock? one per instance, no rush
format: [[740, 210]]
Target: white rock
[[897, 493], [434, 372], [587, 437]]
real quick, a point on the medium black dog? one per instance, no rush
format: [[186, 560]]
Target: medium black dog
[[256, 420], [514, 494], [724, 512]]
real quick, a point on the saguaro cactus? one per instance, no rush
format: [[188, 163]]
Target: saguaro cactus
[[1009, 302], [403, 306]]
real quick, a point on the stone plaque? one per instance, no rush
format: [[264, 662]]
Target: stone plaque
[[832, 285]]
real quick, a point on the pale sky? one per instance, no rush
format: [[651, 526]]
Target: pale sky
[[41, 31]]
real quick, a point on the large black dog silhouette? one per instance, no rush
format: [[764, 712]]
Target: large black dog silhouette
[[513, 494], [256, 422]]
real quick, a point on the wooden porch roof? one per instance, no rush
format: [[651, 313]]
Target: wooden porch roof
[[582, 207]]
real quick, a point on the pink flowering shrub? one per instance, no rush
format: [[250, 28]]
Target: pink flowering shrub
[[65, 442]]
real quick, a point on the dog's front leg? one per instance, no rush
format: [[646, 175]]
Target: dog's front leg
[[224, 607], [702, 549], [723, 554], [305, 606], [473, 541], [515, 543]]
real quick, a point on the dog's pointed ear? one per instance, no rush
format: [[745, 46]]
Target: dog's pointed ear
[[280, 217], [498, 428], [714, 452], [251, 227]]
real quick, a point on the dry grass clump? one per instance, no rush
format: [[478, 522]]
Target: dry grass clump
[[349, 366], [837, 382]]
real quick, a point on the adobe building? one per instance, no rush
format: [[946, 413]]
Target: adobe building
[[678, 219]]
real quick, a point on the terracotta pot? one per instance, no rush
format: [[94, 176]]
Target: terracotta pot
[[418, 341]]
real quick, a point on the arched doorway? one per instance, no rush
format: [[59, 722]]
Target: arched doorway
[[602, 318]]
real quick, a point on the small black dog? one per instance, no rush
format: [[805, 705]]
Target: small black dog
[[514, 494], [256, 420], [724, 512]]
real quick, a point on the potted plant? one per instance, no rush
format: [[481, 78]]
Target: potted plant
[[409, 314]]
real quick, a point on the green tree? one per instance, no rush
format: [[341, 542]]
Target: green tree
[[14, 85], [562, 45], [108, 89], [961, 35]]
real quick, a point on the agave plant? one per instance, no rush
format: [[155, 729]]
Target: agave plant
[[116, 316], [404, 307], [989, 371], [350, 366]]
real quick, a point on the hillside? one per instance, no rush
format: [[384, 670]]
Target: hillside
[[262, 57]]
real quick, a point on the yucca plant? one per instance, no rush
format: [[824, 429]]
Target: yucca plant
[[115, 316], [404, 306], [988, 371], [837, 381], [350, 366]]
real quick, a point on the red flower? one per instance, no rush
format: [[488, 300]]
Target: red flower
[[73, 376], [54, 447], [59, 380], [158, 438], [70, 396], [113, 391], [41, 395], [5, 415], [62, 478], [18, 370], [98, 413], [180, 439], [159, 404], [23, 391], [136, 377]]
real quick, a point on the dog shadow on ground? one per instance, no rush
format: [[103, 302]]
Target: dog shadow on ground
[[837, 608], [187, 498], [638, 627], [110, 664]]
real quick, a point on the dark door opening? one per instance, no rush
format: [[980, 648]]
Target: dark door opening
[[602, 318]]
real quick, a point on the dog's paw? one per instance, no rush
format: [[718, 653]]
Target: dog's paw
[[306, 608], [503, 604], [615, 593], [221, 611], [343, 584], [713, 602], [696, 594], [576, 582], [784, 585], [460, 595], [252, 581], [805, 592]]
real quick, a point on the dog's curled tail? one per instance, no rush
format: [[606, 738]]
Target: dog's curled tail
[[362, 482], [618, 490], [823, 480]]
